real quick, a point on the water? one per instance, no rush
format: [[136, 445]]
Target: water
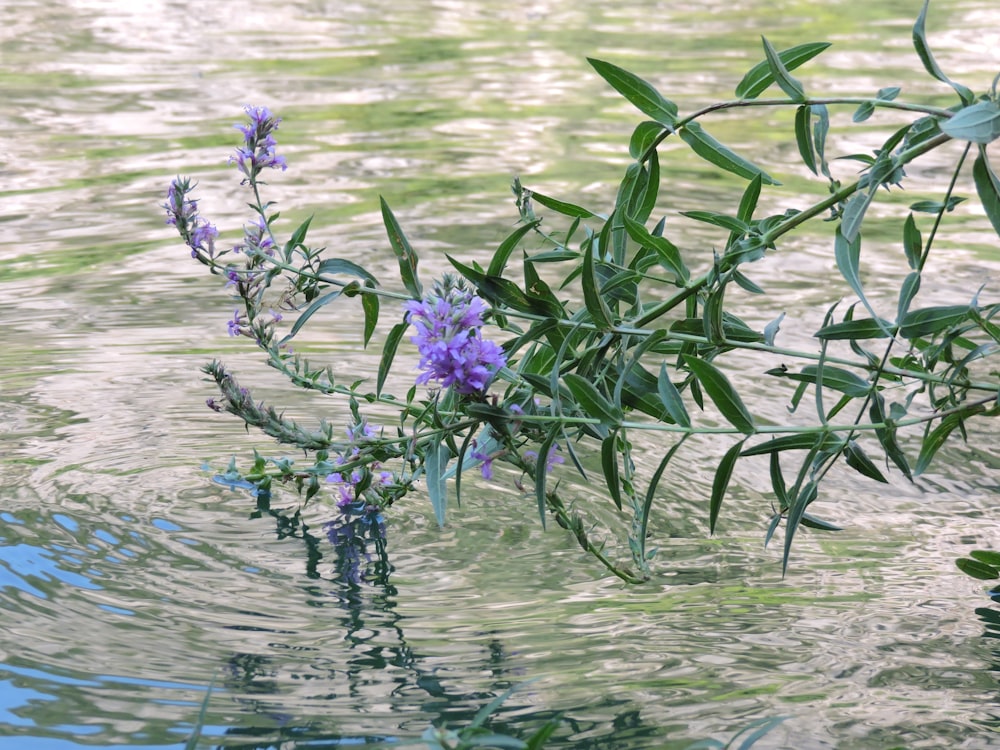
[[130, 582]]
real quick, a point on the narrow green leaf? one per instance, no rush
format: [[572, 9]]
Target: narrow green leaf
[[721, 156], [722, 393], [308, 312], [779, 72], [936, 207], [637, 91], [907, 291], [669, 255], [930, 320], [817, 523], [370, 304], [930, 65], [799, 442], [609, 463], [721, 483], [404, 253], [748, 201], [887, 437], [654, 482], [795, 512], [562, 207], [820, 131], [542, 469], [854, 214], [979, 123], [435, 463], [671, 399], [759, 77], [594, 403], [913, 244], [866, 328], [858, 460], [977, 569], [888, 93], [933, 441], [297, 239], [720, 220], [777, 480], [334, 266], [592, 299], [803, 137], [836, 378], [389, 353], [502, 254], [988, 187], [643, 137]]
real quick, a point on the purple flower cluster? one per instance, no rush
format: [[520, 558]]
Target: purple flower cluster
[[452, 351], [257, 151], [182, 212]]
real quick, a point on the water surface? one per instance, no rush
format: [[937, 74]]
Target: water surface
[[129, 582]]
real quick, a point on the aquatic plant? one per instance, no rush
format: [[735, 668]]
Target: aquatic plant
[[586, 334]]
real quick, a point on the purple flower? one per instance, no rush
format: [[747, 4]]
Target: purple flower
[[551, 460], [487, 460], [448, 338], [235, 324], [257, 153], [182, 212]]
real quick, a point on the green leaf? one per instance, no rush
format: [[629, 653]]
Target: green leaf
[[934, 440], [795, 512], [721, 483], [907, 291], [863, 112], [777, 480], [671, 398], [836, 378], [592, 299], [779, 72], [562, 207], [639, 92], [389, 353], [542, 468], [803, 137], [936, 207], [336, 266], [593, 403], [669, 255], [799, 442], [720, 220], [643, 137], [298, 237], [913, 244], [759, 77], [308, 312], [722, 393], [817, 523], [609, 463], [888, 93], [988, 187], [858, 460], [920, 44], [979, 123], [721, 156], [370, 304], [502, 254], [404, 253], [435, 463], [930, 320], [977, 569], [887, 437], [986, 556], [748, 201], [866, 328]]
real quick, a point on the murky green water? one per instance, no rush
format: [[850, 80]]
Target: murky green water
[[129, 582]]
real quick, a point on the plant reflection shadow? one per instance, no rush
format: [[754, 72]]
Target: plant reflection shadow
[[361, 590]]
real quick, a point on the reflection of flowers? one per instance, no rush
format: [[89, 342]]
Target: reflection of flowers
[[358, 526]]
